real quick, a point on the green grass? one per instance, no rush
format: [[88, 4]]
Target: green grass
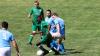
[[82, 19]]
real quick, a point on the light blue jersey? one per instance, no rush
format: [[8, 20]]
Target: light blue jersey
[[5, 38], [62, 26], [48, 20], [53, 24]]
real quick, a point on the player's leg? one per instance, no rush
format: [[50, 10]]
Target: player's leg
[[30, 38], [60, 47], [59, 43], [34, 28], [39, 27], [43, 49], [53, 47], [49, 39], [2, 53], [57, 48], [42, 41], [6, 51], [59, 40], [53, 44], [63, 37]]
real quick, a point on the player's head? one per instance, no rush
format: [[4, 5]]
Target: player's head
[[5, 24], [36, 3], [48, 13], [54, 15]]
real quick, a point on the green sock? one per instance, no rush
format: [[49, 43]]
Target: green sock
[[35, 46], [30, 39]]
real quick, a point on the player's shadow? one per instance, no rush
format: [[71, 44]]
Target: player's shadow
[[71, 51], [75, 52]]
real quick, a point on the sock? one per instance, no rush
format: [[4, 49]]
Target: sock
[[30, 39]]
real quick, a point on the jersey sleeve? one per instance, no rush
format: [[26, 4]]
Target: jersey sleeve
[[31, 11], [12, 37]]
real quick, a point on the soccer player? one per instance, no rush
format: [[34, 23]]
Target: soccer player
[[5, 38], [37, 17], [54, 26], [45, 38], [48, 17], [57, 31], [44, 27]]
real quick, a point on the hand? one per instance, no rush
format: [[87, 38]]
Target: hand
[[29, 16], [57, 34]]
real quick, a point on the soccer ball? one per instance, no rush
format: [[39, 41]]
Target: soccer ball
[[39, 52]]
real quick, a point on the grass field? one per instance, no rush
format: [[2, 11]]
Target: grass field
[[82, 19]]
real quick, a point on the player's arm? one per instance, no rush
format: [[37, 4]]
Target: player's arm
[[42, 14], [29, 15], [16, 47]]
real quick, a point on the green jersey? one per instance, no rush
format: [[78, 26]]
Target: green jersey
[[44, 30], [44, 27], [37, 14]]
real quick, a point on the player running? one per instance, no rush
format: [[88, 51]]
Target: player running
[[37, 17]]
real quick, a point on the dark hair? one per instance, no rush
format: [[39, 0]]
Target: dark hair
[[49, 10], [55, 14], [5, 24]]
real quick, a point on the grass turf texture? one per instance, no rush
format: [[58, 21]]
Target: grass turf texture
[[82, 19]]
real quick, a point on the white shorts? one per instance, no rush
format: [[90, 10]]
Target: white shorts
[[5, 51]]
